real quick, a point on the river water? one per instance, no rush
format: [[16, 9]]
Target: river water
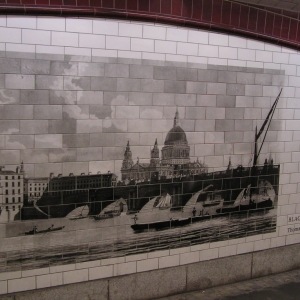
[[97, 240]]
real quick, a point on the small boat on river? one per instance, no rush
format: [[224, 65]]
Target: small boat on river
[[50, 229]]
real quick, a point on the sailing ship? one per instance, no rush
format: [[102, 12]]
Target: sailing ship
[[114, 209], [80, 215], [165, 202]]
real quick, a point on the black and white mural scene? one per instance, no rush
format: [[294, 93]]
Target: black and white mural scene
[[194, 165]]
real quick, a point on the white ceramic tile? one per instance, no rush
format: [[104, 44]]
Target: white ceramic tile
[[180, 250], [142, 45], [101, 272], [3, 21], [293, 239], [79, 25], [10, 35], [112, 261], [22, 284], [154, 32], [124, 268], [136, 257], [50, 50], [62, 268], [64, 39], [294, 59], [3, 287], [197, 59], [262, 244], [165, 47], [218, 39], [50, 23], [187, 49], [218, 244], [197, 36], [178, 35], [288, 209], [104, 53], [282, 58], [208, 51], [10, 275], [160, 253], [147, 265], [238, 42], [117, 43], [252, 44], [217, 61], [41, 271], [271, 47], [209, 254], [130, 30], [49, 280], [263, 56], [294, 81], [176, 58], [87, 264], [21, 22], [168, 261], [39, 37], [83, 52], [245, 247], [130, 54], [290, 69], [236, 63], [290, 168], [227, 251], [105, 27], [190, 257], [91, 41], [20, 48], [254, 64], [75, 276], [153, 56], [294, 178], [228, 52]]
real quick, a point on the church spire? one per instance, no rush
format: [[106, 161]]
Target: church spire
[[22, 167], [127, 161], [154, 155], [229, 167], [176, 118]]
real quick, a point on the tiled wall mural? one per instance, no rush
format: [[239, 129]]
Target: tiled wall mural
[[112, 158], [109, 163]]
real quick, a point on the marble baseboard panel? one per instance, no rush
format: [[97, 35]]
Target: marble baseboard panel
[[173, 280]]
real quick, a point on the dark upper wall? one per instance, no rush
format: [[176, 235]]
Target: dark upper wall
[[268, 24]]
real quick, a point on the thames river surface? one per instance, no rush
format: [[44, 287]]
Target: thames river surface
[[114, 237]]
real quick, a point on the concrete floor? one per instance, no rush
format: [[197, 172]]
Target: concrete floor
[[283, 286]]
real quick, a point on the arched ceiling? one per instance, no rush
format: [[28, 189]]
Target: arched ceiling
[[274, 21], [292, 5]]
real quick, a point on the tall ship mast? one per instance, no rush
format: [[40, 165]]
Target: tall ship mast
[[267, 123]]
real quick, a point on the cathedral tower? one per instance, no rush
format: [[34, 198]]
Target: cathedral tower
[[154, 161], [176, 151], [127, 161]]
